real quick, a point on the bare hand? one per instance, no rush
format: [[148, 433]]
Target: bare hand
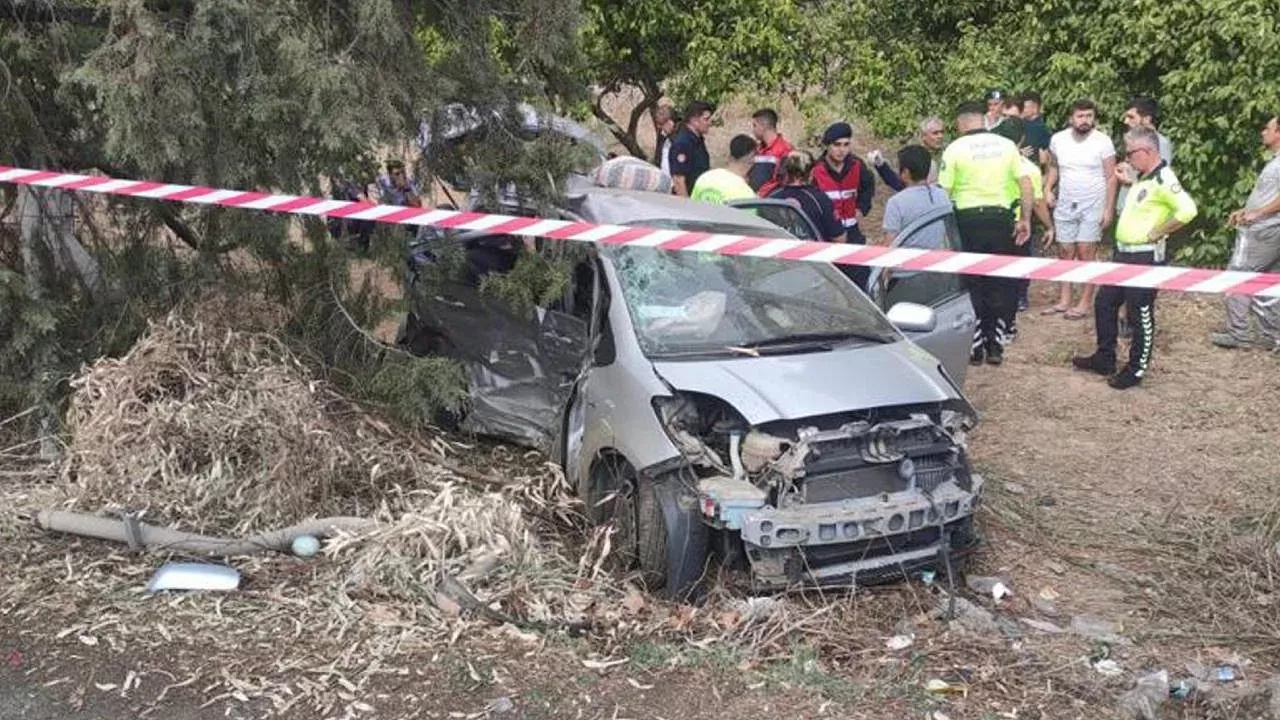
[[1236, 219], [1026, 151], [1021, 232], [1107, 217], [1050, 198], [1047, 239], [1124, 173]]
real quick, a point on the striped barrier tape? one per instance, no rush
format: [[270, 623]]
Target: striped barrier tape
[[1163, 277]]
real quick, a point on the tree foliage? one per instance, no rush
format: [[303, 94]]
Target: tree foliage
[[699, 49], [1210, 64], [256, 94]]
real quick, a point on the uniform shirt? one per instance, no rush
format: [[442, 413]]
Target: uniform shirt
[[1031, 171], [720, 186], [763, 175], [850, 187], [977, 168], [816, 205], [689, 157], [1155, 199], [1081, 177], [1264, 191], [1166, 154]]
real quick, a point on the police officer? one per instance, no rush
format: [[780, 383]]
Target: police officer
[[688, 154], [1157, 206], [977, 170]]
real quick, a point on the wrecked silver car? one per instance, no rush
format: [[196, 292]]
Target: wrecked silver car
[[762, 414]]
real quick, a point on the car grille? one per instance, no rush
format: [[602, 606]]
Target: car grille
[[871, 480]]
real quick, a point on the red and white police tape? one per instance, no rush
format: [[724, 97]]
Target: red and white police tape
[[1007, 266]]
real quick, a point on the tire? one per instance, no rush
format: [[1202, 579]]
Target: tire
[[651, 538]]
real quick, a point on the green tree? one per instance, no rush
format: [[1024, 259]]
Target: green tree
[[255, 94], [700, 49], [1211, 64]]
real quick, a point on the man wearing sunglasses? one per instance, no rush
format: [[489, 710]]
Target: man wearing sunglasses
[[1157, 206]]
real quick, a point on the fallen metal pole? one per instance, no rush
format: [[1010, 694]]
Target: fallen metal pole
[[150, 537]]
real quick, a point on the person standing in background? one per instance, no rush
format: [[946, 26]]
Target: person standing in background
[[931, 137], [1141, 112], [766, 172], [977, 170], [689, 157], [664, 127], [851, 186], [995, 108], [798, 190], [1257, 250], [728, 183], [1038, 135], [1159, 207], [1080, 187]]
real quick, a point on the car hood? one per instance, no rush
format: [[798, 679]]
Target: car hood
[[791, 387]]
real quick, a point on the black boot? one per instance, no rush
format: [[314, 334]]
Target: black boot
[[995, 353], [1096, 364], [1124, 380], [977, 355]]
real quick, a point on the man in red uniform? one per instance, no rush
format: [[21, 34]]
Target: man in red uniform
[[765, 176], [850, 184]]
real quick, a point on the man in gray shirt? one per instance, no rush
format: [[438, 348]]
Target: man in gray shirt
[[1257, 249]]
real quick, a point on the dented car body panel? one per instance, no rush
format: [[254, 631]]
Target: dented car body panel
[[795, 386], [771, 402]]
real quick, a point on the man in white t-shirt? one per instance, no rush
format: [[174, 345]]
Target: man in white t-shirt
[[1080, 186]]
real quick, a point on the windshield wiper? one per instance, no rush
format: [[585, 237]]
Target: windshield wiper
[[818, 339]]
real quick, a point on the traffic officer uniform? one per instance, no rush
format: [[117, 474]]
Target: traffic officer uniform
[[977, 170], [1155, 199], [689, 157]]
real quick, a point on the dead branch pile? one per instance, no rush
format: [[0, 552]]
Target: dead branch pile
[[227, 432]]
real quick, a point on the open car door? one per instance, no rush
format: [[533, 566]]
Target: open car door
[[951, 339], [781, 213]]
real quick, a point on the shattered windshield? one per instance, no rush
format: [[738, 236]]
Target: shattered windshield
[[689, 303]]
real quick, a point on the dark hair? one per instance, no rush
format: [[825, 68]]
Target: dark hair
[[1081, 105], [767, 117], [1015, 101], [393, 165], [696, 108], [971, 108], [1032, 96], [916, 160], [796, 166], [1013, 128], [742, 146], [1145, 107]]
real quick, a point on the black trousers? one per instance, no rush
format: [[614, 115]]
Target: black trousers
[[995, 299], [1140, 311], [859, 274]]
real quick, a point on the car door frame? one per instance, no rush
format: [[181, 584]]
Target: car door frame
[[957, 319], [749, 203]]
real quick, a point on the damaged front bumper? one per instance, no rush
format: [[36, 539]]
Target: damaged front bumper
[[860, 540]]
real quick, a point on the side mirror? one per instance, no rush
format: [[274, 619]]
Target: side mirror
[[912, 317]]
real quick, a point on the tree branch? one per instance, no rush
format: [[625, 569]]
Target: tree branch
[[180, 228], [628, 139]]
